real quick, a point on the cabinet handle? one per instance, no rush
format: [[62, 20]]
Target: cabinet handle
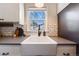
[[5, 53], [66, 54]]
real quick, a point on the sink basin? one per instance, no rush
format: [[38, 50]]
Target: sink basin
[[38, 46], [39, 40]]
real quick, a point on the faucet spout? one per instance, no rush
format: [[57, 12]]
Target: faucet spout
[[39, 32]]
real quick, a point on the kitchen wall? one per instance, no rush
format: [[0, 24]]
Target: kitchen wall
[[51, 18], [9, 30], [61, 6], [10, 13], [68, 23]]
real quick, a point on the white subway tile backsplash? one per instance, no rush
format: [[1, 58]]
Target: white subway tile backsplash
[[8, 31]]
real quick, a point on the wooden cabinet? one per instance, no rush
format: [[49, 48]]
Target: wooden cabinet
[[66, 50], [10, 50]]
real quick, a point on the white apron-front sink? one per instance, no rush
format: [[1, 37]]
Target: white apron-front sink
[[38, 46]]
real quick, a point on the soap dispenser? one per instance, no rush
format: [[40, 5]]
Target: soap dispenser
[[44, 33]]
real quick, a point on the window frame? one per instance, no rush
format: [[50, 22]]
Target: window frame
[[28, 20]]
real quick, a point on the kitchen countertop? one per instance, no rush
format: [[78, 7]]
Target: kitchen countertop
[[61, 40], [11, 40], [17, 41]]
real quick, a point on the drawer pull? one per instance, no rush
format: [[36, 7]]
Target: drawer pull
[[5, 53], [66, 54]]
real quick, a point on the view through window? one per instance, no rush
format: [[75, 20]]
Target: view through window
[[36, 18]]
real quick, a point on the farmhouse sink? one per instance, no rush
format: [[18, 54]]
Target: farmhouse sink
[[38, 46]]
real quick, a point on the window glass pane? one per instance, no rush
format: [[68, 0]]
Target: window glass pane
[[37, 15], [36, 18], [35, 23]]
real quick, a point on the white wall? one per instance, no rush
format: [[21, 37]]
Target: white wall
[[9, 11], [61, 6]]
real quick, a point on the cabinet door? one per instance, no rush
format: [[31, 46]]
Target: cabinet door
[[9, 12], [66, 50], [9, 50]]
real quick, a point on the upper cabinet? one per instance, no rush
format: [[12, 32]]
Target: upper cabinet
[[9, 12]]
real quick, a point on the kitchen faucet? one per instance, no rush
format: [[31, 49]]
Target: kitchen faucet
[[39, 32]]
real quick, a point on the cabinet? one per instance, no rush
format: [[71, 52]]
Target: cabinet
[[66, 50], [10, 50], [9, 12], [14, 50]]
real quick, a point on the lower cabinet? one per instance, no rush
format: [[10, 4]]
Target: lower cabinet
[[10, 50], [14, 50], [66, 50]]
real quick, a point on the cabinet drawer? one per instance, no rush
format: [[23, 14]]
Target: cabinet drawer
[[10, 50], [66, 50]]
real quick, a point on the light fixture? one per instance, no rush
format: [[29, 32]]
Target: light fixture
[[39, 5]]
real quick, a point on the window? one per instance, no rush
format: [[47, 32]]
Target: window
[[36, 17]]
